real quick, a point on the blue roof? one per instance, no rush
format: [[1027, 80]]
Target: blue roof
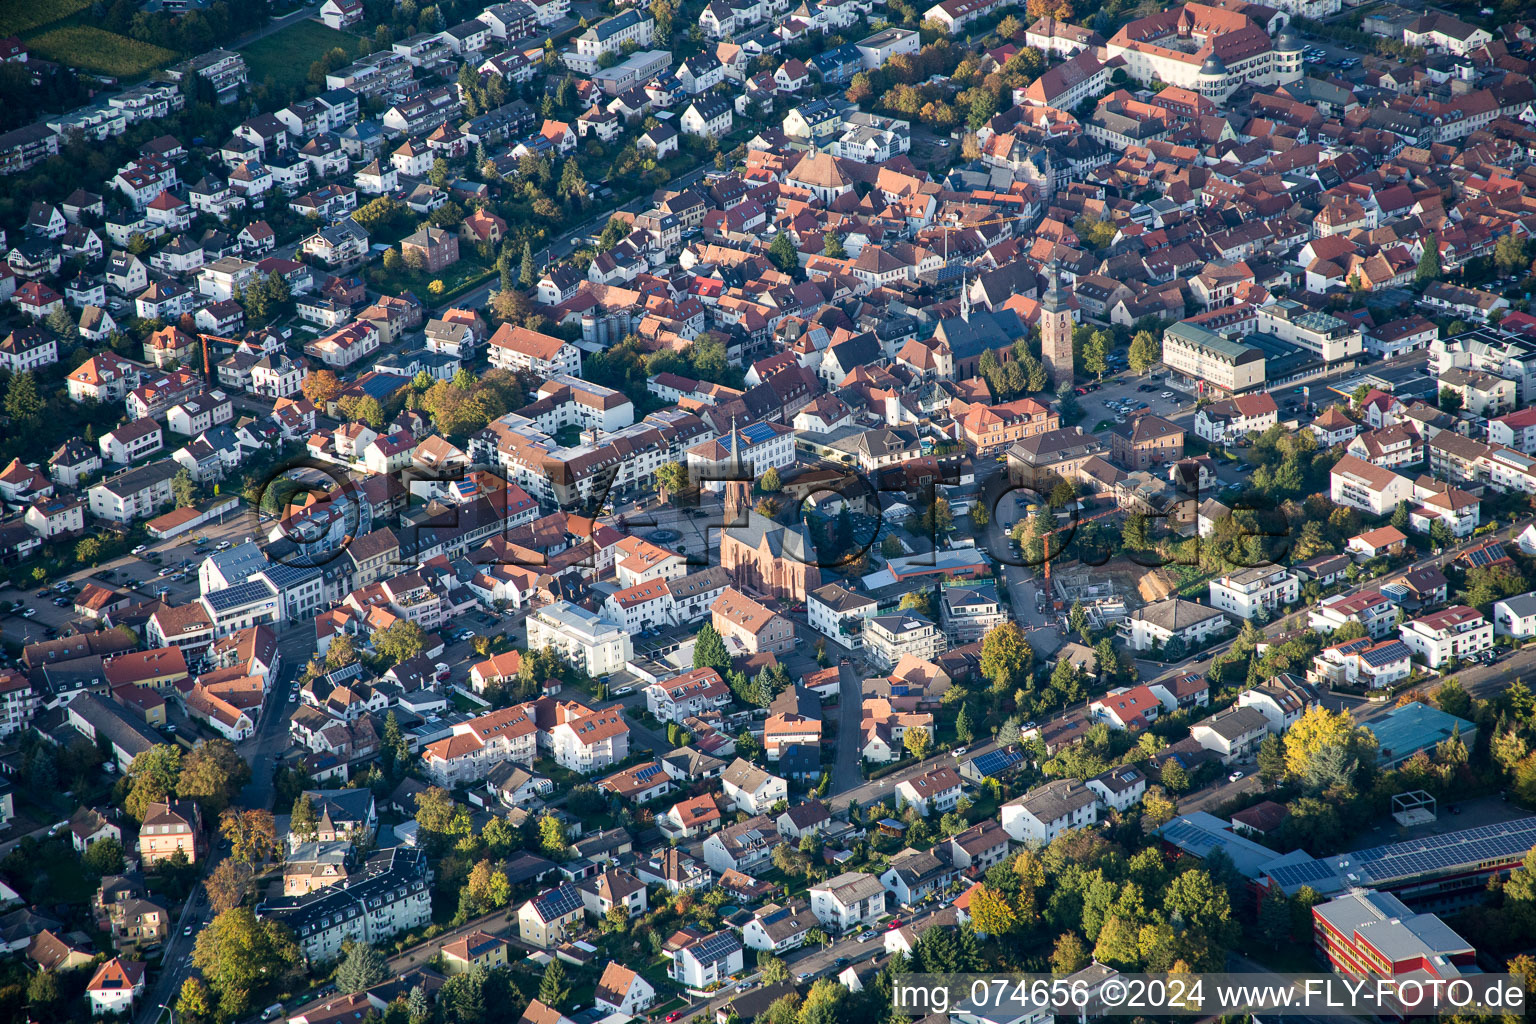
[[245, 593], [1404, 731], [995, 762]]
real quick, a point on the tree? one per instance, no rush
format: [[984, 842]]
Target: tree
[[184, 488], [194, 1003], [832, 246], [552, 837], [400, 641], [212, 774], [769, 482], [320, 387], [435, 811], [527, 275], [671, 479], [1450, 401], [361, 968], [991, 913], [979, 515], [782, 254], [1145, 351], [103, 857], [228, 884], [1006, 656], [965, 727], [554, 989], [302, 821], [1429, 262], [772, 970], [152, 777], [23, 404], [1096, 353], [1509, 254], [237, 953], [709, 650], [1175, 778], [1271, 761], [917, 741], [252, 834], [1157, 807], [823, 1002], [1069, 956], [1319, 729], [43, 989], [87, 550]]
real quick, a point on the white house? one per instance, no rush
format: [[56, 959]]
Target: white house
[[1449, 634], [848, 902], [751, 789], [623, 991], [1261, 590], [932, 792], [1161, 621], [1047, 811], [1515, 616], [1231, 734], [707, 961]]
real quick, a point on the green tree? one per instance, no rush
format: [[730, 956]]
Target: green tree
[[1450, 401], [1429, 262], [917, 741], [1509, 254], [554, 988], [88, 550], [1096, 353], [152, 777], [400, 641], [1145, 351], [1175, 778], [103, 857], [528, 275], [23, 404], [979, 515], [671, 479], [552, 836], [965, 727], [212, 774], [1006, 656], [184, 488], [832, 246], [1271, 760], [237, 953], [302, 822], [194, 1004], [709, 650], [362, 967], [782, 254], [769, 482]]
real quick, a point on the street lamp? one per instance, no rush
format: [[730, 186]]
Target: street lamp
[[169, 1011]]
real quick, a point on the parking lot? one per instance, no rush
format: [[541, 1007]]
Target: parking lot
[[139, 573], [1137, 390]]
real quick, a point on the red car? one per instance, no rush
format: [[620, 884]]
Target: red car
[[896, 922], [674, 1016]]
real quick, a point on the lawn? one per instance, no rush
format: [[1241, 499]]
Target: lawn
[[20, 16], [95, 49], [287, 55], [456, 279]]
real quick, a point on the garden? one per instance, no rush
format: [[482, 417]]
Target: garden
[[286, 56], [95, 49]]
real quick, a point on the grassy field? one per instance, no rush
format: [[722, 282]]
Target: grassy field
[[287, 55], [457, 279], [18, 16], [95, 49]]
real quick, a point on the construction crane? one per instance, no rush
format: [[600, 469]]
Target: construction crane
[[1045, 542]]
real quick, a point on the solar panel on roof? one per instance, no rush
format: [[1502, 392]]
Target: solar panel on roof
[[715, 947], [248, 592], [558, 902]]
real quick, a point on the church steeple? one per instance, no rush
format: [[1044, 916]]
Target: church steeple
[[738, 484], [1056, 328]]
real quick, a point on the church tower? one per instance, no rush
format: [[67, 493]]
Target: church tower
[[1056, 330], [738, 485]]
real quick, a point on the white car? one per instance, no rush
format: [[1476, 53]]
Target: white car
[[1167, 394], [1235, 775], [141, 549], [959, 751]]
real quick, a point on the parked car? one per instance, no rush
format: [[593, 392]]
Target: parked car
[[141, 549], [27, 613], [1236, 775]]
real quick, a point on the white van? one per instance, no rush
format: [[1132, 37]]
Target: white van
[[275, 1010]]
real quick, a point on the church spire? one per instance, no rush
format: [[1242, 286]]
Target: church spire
[[965, 298], [738, 483]]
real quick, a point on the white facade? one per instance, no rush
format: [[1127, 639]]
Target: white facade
[[1250, 592], [586, 638]]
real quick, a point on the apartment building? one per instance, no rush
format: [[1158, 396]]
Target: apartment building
[[1451, 634], [1047, 811], [1250, 593], [888, 637], [584, 637], [848, 902], [392, 893], [478, 745]]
